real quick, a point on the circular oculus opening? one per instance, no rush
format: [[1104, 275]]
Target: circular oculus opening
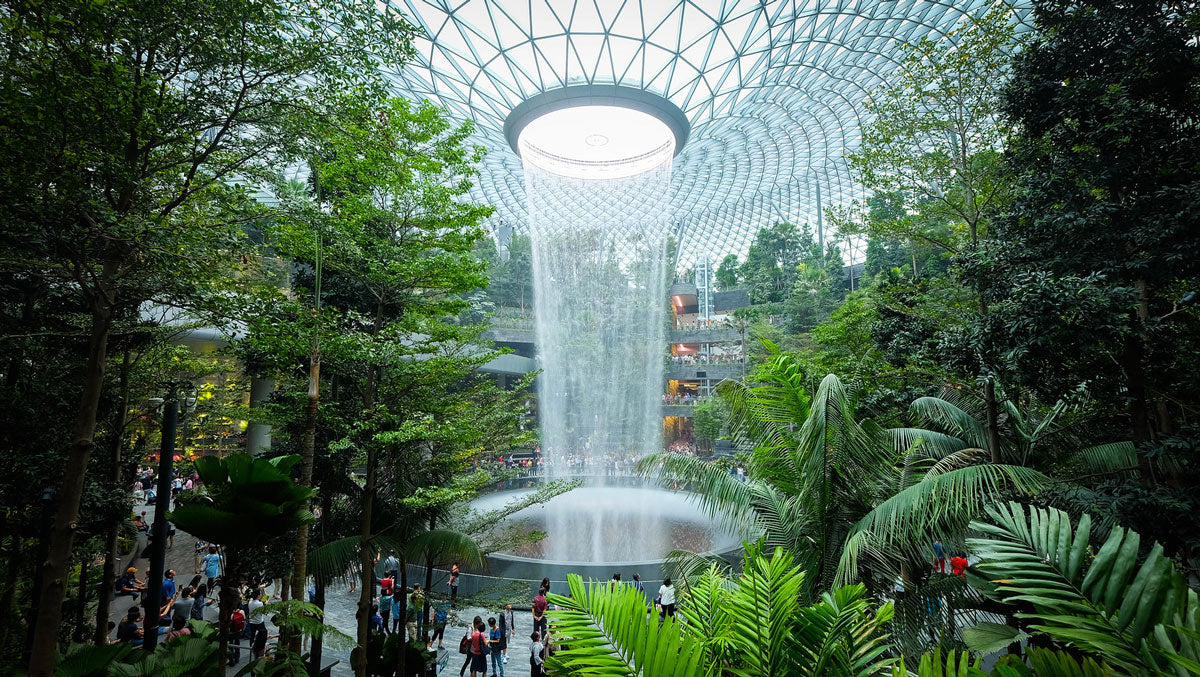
[[596, 142]]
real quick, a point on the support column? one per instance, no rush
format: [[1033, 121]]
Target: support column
[[258, 435]]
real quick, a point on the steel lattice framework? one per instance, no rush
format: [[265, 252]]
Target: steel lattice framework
[[772, 90]]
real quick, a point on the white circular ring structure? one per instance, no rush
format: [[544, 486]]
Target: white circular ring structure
[[596, 142]]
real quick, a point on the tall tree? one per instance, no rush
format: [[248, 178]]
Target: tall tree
[[934, 145], [727, 273], [395, 174], [1099, 248], [126, 128]]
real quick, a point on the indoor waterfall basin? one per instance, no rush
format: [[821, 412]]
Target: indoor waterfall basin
[[609, 525]]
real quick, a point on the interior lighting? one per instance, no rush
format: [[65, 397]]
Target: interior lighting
[[596, 142]]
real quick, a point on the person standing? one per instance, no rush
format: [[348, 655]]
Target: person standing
[[454, 582], [539, 611], [168, 585], [385, 608], [413, 611], [494, 640], [212, 563], [200, 597], [254, 616], [441, 616], [464, 646], [939, 557], [397, 612], [183, 606], [200, 547], [666, 597], [479, 642], [508, 629], [536, 656], [637, 583]]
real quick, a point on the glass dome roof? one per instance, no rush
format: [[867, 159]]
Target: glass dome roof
[[772, 90]]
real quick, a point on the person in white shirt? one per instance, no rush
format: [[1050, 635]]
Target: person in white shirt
[[535, 656], [666, 598]]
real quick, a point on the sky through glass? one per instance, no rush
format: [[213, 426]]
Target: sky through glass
[[772, 89]]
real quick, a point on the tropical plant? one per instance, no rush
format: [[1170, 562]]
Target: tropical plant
[[956, 433], [1142, 620], [755, 625], [1042, 663], [248, 501], [831, 488], [191, 654]]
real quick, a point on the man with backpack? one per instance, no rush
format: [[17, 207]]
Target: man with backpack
[[441, 616]]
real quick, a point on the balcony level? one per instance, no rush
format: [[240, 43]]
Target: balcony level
[[700, 372]]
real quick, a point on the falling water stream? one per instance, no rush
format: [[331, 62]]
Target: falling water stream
[[599, 248]]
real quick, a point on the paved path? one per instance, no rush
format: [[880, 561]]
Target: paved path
[[340, 607]]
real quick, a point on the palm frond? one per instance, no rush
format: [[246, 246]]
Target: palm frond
[[988, 637], [686, 566], [1137, 618], [951, 418], [723, 496], [956, 664], [841, 636], [942, 504], [609, 630], [764, 609], [960, 459], [442, 545], [1116, 457], [767, 411], [931, 442], [331, 561], [306, 619], [704, 607]]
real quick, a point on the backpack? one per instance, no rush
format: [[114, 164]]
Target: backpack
[[464, 644], [441, 617], [237, 622]]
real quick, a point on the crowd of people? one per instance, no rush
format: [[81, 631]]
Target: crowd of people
[[145, 484], [695, 325], [685, 398], [688, 359]]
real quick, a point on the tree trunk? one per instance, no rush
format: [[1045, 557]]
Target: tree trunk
[[401, 655], [318, 644], [307, 455], [366, 560], [66, 516], [428, 574], [366, 564], [81, 603], [229, 598], [111, 556], [15, 558], [993, 418]]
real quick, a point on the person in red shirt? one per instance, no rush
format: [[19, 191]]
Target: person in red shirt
[[479, 640], [958, 566], [539, 612]]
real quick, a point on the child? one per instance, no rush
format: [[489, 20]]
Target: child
[[535, 655]]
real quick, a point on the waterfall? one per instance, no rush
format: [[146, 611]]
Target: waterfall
[[599, 249]]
